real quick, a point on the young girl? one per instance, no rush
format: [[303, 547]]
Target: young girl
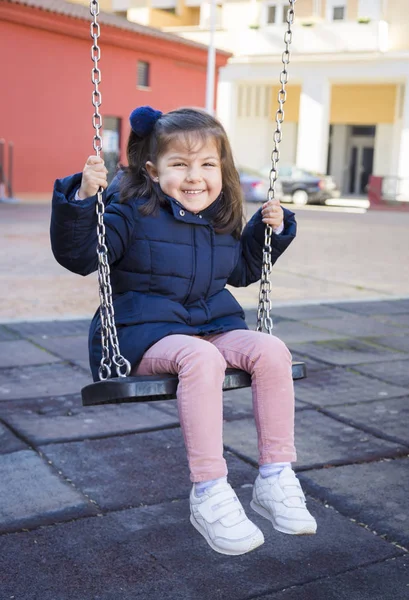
[[174, 235]]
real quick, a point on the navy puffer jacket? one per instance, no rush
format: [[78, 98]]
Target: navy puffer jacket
[[168, 272]]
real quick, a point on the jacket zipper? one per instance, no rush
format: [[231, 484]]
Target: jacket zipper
[[194, 265]]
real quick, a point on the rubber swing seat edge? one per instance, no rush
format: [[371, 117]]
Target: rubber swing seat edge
[[148, 388]]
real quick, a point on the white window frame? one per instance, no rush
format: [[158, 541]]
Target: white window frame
[[280, 6], [331, 4]]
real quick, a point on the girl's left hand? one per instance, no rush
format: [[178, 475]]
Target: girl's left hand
[[272, 213]]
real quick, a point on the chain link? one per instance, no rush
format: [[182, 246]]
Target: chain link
[[109, 334], [264, 303]]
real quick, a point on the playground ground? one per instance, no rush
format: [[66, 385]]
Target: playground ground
[[94, 501]]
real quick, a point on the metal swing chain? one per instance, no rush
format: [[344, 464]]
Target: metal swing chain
[[264, 303], [109, 335], [108, 327]]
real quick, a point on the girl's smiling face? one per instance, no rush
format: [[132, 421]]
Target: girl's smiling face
[[189, 172]]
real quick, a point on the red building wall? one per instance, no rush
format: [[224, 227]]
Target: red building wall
[[45, 102]]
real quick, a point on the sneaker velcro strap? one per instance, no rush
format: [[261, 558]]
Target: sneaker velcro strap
[[294, 492], [277, 493], [219, 506]]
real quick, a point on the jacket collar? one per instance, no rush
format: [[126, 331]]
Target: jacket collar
[[205, 216]]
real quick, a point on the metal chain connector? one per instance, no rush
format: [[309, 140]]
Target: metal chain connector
[[109, 334], [264, 303]]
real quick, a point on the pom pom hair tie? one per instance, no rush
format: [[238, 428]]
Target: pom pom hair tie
[[143, 120]]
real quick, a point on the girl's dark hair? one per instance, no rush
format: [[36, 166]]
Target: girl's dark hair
[[136, 182]]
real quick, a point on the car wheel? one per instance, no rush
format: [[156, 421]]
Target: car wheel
[[300, 198]]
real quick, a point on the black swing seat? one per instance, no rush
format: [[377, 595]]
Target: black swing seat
[[146, 388]]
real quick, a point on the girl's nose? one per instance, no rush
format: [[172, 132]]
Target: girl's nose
[[193, 175]]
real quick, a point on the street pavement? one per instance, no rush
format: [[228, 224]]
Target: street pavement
[[338, 255], [94, 501]]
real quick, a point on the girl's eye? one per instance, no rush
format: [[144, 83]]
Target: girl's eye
[[209, 165], [179, 164]]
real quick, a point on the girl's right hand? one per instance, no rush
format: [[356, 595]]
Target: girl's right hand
[[94, 176]]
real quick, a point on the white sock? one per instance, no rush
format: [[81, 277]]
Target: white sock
[[272, 469], [202, 486]]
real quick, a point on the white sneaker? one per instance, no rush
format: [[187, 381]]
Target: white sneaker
[[281, 500], [219, 516]]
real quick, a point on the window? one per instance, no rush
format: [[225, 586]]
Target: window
[[336, 10], [143, 75], [286, 10], [338, 13], [271, 14], [275, 13], [366, 130]]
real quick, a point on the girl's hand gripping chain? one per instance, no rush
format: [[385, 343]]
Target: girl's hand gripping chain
[[272, 213], [94, 176]]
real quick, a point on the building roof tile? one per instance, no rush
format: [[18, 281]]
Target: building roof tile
[[79, 11]]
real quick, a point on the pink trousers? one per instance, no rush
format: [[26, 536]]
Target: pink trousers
[[200, 364]]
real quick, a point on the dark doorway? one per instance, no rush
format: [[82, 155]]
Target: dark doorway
[[111, 140]]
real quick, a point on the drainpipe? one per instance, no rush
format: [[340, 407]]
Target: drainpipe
[[211, 61]]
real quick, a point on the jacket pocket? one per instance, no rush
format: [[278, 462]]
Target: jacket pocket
[[128, 308]]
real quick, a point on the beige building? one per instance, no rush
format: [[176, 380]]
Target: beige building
[[348, 99]]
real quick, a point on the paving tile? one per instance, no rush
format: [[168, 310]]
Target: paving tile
[[387, 418], [154, 552], [387, 580], [342, 386], [73, 348], [7, 334], [31, 494], [51, 328], [16, 353], [345, 352], [311, 311], [293, 332], [311, 364], [354, 326], [84, 364], [319, 440], [396, 372], [401, 321], [237, 404], [9, 442], [251, 318], [168, 407], [375, 494], [379, 307], [88, 423], [396, 342], [51, 405], [126, 471], [43, 380]]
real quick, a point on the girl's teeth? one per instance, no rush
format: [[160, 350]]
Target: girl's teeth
[[193, 192]]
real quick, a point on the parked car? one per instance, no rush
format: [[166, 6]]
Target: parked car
[[255, 185], [304, 187]]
